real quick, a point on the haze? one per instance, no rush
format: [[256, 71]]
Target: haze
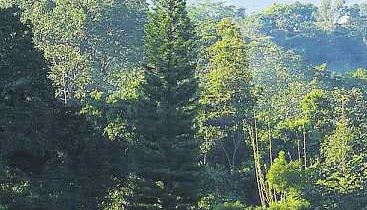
[[256, 5]]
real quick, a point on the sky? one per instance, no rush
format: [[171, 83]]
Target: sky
[[256, 5]]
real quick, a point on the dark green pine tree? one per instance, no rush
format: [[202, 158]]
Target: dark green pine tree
[[166, 156]]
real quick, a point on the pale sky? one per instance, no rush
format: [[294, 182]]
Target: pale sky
[[255, 5]]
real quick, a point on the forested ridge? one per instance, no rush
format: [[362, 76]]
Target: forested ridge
[[136, 105]]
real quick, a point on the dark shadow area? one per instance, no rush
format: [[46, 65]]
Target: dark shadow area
[[50, 156]]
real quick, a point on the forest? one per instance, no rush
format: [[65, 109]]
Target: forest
[[165, 104]]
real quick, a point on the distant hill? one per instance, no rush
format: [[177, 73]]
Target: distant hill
[[337, 39], [256, 5]]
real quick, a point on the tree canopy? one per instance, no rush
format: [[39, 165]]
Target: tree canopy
[[144, 105]]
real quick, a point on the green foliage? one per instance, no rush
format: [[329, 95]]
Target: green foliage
[[230, 206], [225, 91], [337, 177], [165, 154], [283, 176], [339, 145], [132, 114], [360, 73], [292, 201], [313, 102], [214, 10], [321, 35], [288, 180], [207, 202], [120, 194], [294, 17], [221, 185], [47, 151], [315, 107], [72, 35]]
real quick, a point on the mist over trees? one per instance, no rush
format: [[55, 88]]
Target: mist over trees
[[135, 105]]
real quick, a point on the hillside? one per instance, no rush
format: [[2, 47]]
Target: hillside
[[337, 37]]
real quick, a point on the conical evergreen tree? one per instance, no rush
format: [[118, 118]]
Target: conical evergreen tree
[[166, 160]]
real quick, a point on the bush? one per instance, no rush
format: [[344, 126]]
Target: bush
[[292, 201], [230, 206]]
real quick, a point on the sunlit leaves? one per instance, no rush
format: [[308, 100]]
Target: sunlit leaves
[[225, 86], [287, 179], [128, 86]]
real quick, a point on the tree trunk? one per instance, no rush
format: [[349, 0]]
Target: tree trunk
[[304, 147]]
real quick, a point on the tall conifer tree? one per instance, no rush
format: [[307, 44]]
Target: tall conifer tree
[[166, 161]]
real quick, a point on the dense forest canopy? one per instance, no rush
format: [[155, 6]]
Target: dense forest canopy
[[162, 104]]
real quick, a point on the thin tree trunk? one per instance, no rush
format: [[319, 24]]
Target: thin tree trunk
[[236, 144], [304, 147], [65, 88], [270, 145], [255, 162], [206, 143], [226, 154], [263, 185], [272, 192], [299, 150], [252, 131]]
